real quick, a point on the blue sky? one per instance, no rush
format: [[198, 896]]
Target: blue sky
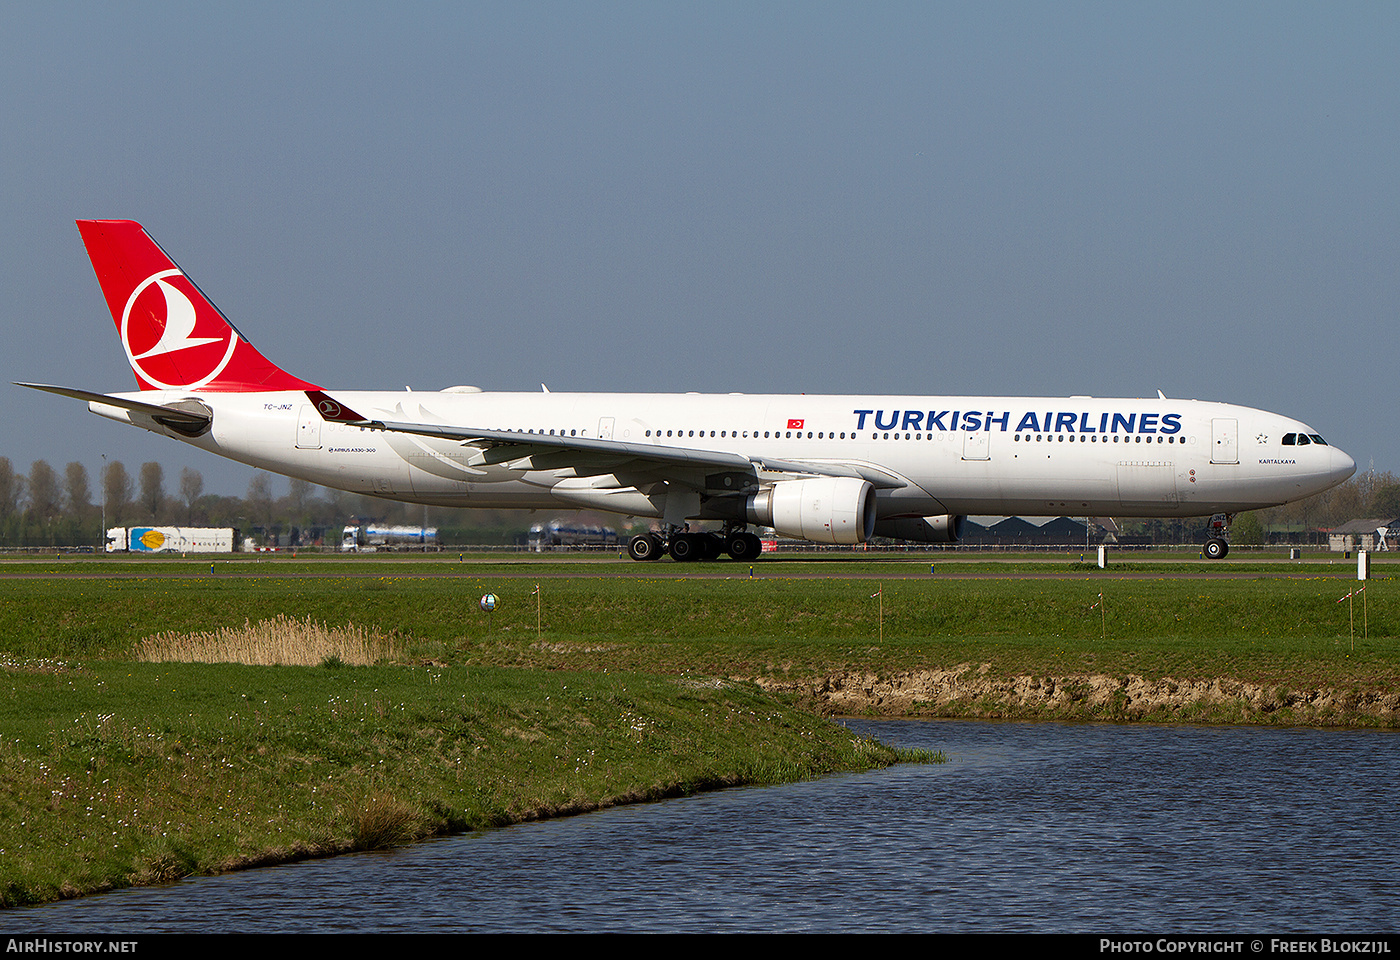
[[925, 198]]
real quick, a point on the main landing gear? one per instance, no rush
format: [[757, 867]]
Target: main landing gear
[[1218, 542], [685, 546]]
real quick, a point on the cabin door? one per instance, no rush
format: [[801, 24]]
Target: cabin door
[[1224, 440], [309, 428]]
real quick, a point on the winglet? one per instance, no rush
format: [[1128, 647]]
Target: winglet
[[334, 410]]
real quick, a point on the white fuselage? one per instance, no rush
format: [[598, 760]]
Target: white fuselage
[[943, 455]]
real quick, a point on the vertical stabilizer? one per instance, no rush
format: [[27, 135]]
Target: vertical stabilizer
[[174, 336]]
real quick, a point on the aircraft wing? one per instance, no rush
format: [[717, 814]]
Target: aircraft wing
[[593, 456]]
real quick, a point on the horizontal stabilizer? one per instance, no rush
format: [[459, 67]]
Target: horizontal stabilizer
[[190, 422]]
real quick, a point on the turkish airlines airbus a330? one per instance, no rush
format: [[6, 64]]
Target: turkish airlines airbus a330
[[830, 469]]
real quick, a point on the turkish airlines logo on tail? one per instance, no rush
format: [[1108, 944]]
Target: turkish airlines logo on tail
[[170, 341], [179, 325]]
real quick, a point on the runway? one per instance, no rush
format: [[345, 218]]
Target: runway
[[819, 567]]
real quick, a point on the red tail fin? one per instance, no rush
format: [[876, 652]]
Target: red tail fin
[[174, 337]]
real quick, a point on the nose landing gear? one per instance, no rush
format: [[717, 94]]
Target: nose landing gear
[[1218, 542]]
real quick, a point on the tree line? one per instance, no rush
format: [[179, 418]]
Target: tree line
[[46, 508]]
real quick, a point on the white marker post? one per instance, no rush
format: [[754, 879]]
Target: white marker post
[[539, 614], [1363, 572]]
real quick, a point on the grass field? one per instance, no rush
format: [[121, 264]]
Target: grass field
[[592, 683], [1251, 620]]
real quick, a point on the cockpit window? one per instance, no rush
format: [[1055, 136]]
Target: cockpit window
[[1317, 439], [1303, 440], [1289, 439]]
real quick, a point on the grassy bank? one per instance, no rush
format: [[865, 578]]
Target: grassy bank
[[114, 773]]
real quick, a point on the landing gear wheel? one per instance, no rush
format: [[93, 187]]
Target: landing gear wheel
[[711, 546], [1216, 549], [744, 546], [644, 547], [686, 546]]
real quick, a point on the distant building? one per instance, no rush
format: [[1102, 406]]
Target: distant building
[[1016, 531], [1373, 534]]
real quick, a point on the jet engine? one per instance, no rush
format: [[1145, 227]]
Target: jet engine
[[820, 509]]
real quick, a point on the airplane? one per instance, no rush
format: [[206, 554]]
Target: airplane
[[826, 469]]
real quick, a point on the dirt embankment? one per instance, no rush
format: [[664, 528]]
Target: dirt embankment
[[971, 690]]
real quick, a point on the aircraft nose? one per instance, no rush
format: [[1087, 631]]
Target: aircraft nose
[[1342, 466]]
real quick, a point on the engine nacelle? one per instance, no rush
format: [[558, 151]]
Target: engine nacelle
[[945, 529], [821, 509]]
